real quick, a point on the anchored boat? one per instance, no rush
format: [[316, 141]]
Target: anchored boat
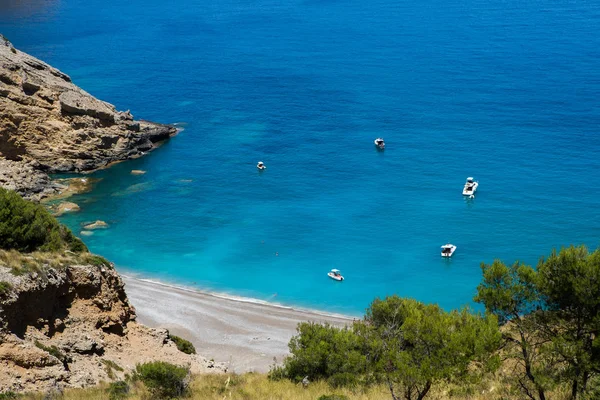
[[470, 187], [335, 274], [448, 250]]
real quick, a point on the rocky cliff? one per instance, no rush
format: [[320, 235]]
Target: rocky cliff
[[72, 325], [48, 125]]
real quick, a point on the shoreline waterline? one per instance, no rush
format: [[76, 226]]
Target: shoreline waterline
[[244, 334], [234, 298]]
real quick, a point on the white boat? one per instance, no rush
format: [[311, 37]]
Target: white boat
[[335, 274], [470, 187], [448, 250], [261, 165], [379, 143]]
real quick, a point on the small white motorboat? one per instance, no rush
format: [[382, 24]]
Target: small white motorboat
[[335, 274], [448, 250], [380, 143], [261, 165], [470, 187]]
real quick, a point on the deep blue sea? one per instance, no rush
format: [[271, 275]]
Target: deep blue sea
[[505, 91]]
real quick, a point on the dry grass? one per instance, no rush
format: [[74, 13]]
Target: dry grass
[[258, 386], [252, 386], [231, 387], [21, 263]]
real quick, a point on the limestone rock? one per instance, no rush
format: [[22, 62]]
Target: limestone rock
[[96, 225], [54, 126], [57, 325], [82, 344], [26, 180], [65, 207]]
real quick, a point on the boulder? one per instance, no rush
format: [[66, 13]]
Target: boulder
[[96, 225], [65, 207]]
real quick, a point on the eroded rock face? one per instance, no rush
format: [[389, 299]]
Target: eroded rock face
[[45, 118], [25, 179], [65, 327]]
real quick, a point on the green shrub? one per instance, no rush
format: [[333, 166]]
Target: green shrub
[[324, 352], [118, 390], [4, 288], [163, 380], [8, 396], [52, 350], [183, 345], [277, 373], [110, 367], [27, 227], [96, 260]]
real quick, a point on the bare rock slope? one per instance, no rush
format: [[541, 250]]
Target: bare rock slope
[[49, 124], [73, 326]]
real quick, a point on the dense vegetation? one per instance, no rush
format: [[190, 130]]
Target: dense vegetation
[[27, 227], [406, 345], [552, 317], [544, 323]]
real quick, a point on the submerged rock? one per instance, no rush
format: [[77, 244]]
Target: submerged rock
[[65, 207], [96, 225], [136, 188]]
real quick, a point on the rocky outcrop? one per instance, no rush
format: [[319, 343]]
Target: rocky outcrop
[[73, 327], [64, 208], [49, 124], [25, 179], [96, 225]]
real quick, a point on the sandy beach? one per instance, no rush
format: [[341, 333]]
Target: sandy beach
[[244, 334]]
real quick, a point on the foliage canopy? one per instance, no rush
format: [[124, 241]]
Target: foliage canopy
[[27, 227], [553, 316], [405, 344]]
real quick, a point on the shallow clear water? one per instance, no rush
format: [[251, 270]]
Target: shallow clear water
[[505, 91]]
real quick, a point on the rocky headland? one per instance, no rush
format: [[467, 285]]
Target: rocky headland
[[65, 319], [49, 125]]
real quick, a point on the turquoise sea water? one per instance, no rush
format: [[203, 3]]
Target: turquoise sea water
[[505, 91]]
